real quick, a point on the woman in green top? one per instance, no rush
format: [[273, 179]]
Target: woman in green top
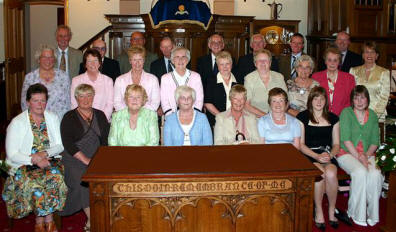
[[359, 141], [134, 125]]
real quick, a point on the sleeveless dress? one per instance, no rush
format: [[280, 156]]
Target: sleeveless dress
[[318, 138]]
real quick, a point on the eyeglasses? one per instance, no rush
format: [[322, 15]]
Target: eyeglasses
[[100, 48]]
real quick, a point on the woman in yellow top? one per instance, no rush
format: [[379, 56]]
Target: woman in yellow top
[[375, 78]]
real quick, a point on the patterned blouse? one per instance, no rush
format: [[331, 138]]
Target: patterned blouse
[[298, 96], [58, 91], [40, 136]]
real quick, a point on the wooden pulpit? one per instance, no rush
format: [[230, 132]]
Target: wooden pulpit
[[209, 188]]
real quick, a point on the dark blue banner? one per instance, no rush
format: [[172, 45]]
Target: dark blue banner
[[184, 11]]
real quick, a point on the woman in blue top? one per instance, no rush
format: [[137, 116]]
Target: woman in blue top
[[186, 126], [277, 126]]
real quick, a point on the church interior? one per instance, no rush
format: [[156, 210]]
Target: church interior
[[271, 193]]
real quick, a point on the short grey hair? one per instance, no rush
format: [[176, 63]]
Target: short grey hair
[[176, 49], [262, 51], [83, 88], [184, 89], [304, 58], [256, 35], [44, 47], [64, 27], [216, 34]]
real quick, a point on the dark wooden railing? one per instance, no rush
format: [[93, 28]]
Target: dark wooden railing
[[101, 34]]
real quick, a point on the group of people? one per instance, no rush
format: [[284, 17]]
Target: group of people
[[331, 116]]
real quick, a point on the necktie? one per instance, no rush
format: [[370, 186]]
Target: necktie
[[215, 69], [293, 70], [169, 68], [341, 61], [62, 65]]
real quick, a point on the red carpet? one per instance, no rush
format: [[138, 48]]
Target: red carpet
[[77, 221]]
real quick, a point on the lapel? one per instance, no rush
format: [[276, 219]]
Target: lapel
[[326, 85], [163, 65], [69, 60]]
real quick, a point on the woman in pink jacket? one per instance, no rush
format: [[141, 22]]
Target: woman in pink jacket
[[338, 84], [137, 76], [180, 57]]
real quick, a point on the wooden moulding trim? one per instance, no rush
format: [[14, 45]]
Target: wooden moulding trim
[[40, 2], [198, 187], [108, 178]]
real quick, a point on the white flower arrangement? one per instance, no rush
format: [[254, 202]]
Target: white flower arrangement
[[386, 155]]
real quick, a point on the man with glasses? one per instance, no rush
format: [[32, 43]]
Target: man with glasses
[[109, 67], [137, 39]]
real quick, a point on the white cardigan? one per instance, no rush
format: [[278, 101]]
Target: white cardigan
[[19, 139]]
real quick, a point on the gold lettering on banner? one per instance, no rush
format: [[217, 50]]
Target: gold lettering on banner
[[203, 187]]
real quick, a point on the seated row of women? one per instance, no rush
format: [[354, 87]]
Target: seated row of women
[[34, 144], [215, 98]]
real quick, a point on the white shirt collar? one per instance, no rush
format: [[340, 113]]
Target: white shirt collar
[[213, 59], [220, 78], [297, 55], [60, 50]]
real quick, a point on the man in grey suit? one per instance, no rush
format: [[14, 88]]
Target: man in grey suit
[[69, 58], [137, 38], [286, 62]]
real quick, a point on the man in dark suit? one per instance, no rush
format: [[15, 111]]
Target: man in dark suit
[[109, 67], [206, 65], [349, 58], [163, 64], [246, 64], [286, 62]]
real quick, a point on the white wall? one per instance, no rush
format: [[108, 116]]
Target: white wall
[[292, 10], [43, 23], [86, 18], [2, 48]]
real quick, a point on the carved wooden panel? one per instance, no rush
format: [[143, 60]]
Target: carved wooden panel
[[267, 212], [194, 205]]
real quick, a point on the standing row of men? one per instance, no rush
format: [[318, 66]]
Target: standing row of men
[[69, 59]]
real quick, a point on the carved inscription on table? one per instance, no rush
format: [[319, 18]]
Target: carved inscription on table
[[202, 187]]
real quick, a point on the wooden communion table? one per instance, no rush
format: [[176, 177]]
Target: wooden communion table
[[206, 189]]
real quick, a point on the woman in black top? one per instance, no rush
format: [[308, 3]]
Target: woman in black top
[[83, 130], [218, 88], [320, 142]]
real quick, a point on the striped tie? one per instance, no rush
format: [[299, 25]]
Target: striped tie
[[293, 70], [62, 65]]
